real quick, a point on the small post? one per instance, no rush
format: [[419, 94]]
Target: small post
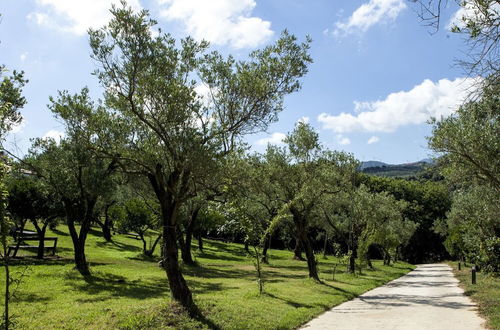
[[459, 266], [473, 270]]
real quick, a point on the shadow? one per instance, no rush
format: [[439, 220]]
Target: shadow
[[145, 258], [470, 292], [289, 302], [197, 314], [221, 257], [420, 284], [118, 246], [30, 297], [96, 232], [115, 286], [59, 232], [47, 261], [399, 300], [348, 294]]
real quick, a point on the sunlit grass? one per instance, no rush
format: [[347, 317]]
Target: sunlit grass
[[128, 291], [486, 292]]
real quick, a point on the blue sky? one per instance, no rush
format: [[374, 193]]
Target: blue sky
[[378, 74]]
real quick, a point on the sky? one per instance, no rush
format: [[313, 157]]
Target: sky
[[378, 74]]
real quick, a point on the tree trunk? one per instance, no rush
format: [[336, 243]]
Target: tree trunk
[[352, 262], [7, 292], [185, 252], [200, 243], [302, 237], [297, 251], [41, 237], [324, 245], [369, 263], [178, 286], [7, 280], [106, 231], [72, 212], [187, 257], [144, 244], [267, 243], [246, 247], [108, 224], [151, 250], [169, 205]]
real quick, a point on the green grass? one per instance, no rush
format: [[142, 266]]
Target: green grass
[[129, 292], [486, 293]]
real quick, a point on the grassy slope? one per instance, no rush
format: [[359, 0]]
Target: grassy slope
[[127, 291], [486, 293]]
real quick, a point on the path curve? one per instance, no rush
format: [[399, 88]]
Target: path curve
[[426, 298]]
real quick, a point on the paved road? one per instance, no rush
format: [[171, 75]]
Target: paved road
[[426, 298]]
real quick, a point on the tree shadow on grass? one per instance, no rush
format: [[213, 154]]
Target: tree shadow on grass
[[346, 293], [47, 261], [143, 257], [59, 232], [118, 246], [201, 271], [30, 297], [214, 256], [116, 286], [288, 301]]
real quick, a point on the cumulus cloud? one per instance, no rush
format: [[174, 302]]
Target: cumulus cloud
[[54, 134], [413, 107], [470, 11], [368, 15], [222, 22], [342, 140], [373, 139], [75, 16], [275, 138], [304, 120]]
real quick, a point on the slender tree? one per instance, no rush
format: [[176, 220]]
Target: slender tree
[[71, 169], [174, 136]]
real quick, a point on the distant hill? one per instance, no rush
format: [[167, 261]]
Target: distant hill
[[371, 163], [394, 170]]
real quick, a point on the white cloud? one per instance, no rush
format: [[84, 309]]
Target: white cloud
[[275, 138], [471, 11], [343, 140], [368, 15], [19, 128], [54, 134], [75, 16], [373, 139], [304, 120], [222, 22], [412, 107], [23, 56]]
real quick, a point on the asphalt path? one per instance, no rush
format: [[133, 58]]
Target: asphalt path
[[427, 298]]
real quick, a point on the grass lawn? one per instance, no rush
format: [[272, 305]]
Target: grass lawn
[[486, 293], [129, 292]]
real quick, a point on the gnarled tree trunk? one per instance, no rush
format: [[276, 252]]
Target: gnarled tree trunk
[[297, 251], [41, 238], [84, 211], [186, 247], [301, 227], [169, 205]]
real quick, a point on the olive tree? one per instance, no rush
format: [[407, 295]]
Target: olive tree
[[173, 135], [71, 169], [304, 174]]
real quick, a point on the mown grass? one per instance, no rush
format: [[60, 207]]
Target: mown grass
[[129, 292], [486, 293]]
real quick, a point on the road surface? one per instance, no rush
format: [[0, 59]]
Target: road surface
[[426, 298]]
